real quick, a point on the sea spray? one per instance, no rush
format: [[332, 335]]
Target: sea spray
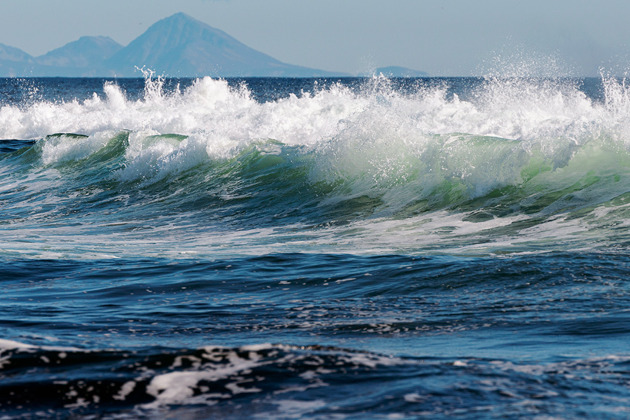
[[498, 150]]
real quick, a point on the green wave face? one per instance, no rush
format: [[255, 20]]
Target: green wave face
[[492, 186], [521, 167]]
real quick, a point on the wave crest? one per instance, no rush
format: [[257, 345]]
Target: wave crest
[[489, 157]]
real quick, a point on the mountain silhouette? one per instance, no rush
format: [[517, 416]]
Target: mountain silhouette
[[183, 46], [398, 71], [87, 51], [8, 53], [177, 46]]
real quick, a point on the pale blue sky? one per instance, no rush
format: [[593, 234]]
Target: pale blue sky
[[443, 38]]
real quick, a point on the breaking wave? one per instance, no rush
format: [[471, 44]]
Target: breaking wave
[[502, 160]]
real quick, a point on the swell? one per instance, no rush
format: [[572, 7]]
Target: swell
[[484, 177], [292, 298], [502, 158], [190, 337]]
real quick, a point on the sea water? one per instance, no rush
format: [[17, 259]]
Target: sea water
[[310, 248]]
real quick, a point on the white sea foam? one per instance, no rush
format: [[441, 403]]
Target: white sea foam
[[178, 386], [508, 108], [14, 345], [417, 155], [375, 133]]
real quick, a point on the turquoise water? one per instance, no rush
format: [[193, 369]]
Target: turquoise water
[[301, 248]]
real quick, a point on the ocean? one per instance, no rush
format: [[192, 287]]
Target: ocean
[[315, 248]]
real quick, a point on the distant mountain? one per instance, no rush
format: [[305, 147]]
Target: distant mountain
[[396, 71], [13, 54], [13, 61], [182, 46], [87, 52], [9, 68], [178, 46]]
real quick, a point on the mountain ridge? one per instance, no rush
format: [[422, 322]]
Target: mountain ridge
[[176, 46], [180, 45], [13, 54], [81, 53], [399, 71]]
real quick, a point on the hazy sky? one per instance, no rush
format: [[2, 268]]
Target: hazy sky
[[443, 38]]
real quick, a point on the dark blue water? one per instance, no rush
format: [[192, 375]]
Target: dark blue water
[[301, 248]]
